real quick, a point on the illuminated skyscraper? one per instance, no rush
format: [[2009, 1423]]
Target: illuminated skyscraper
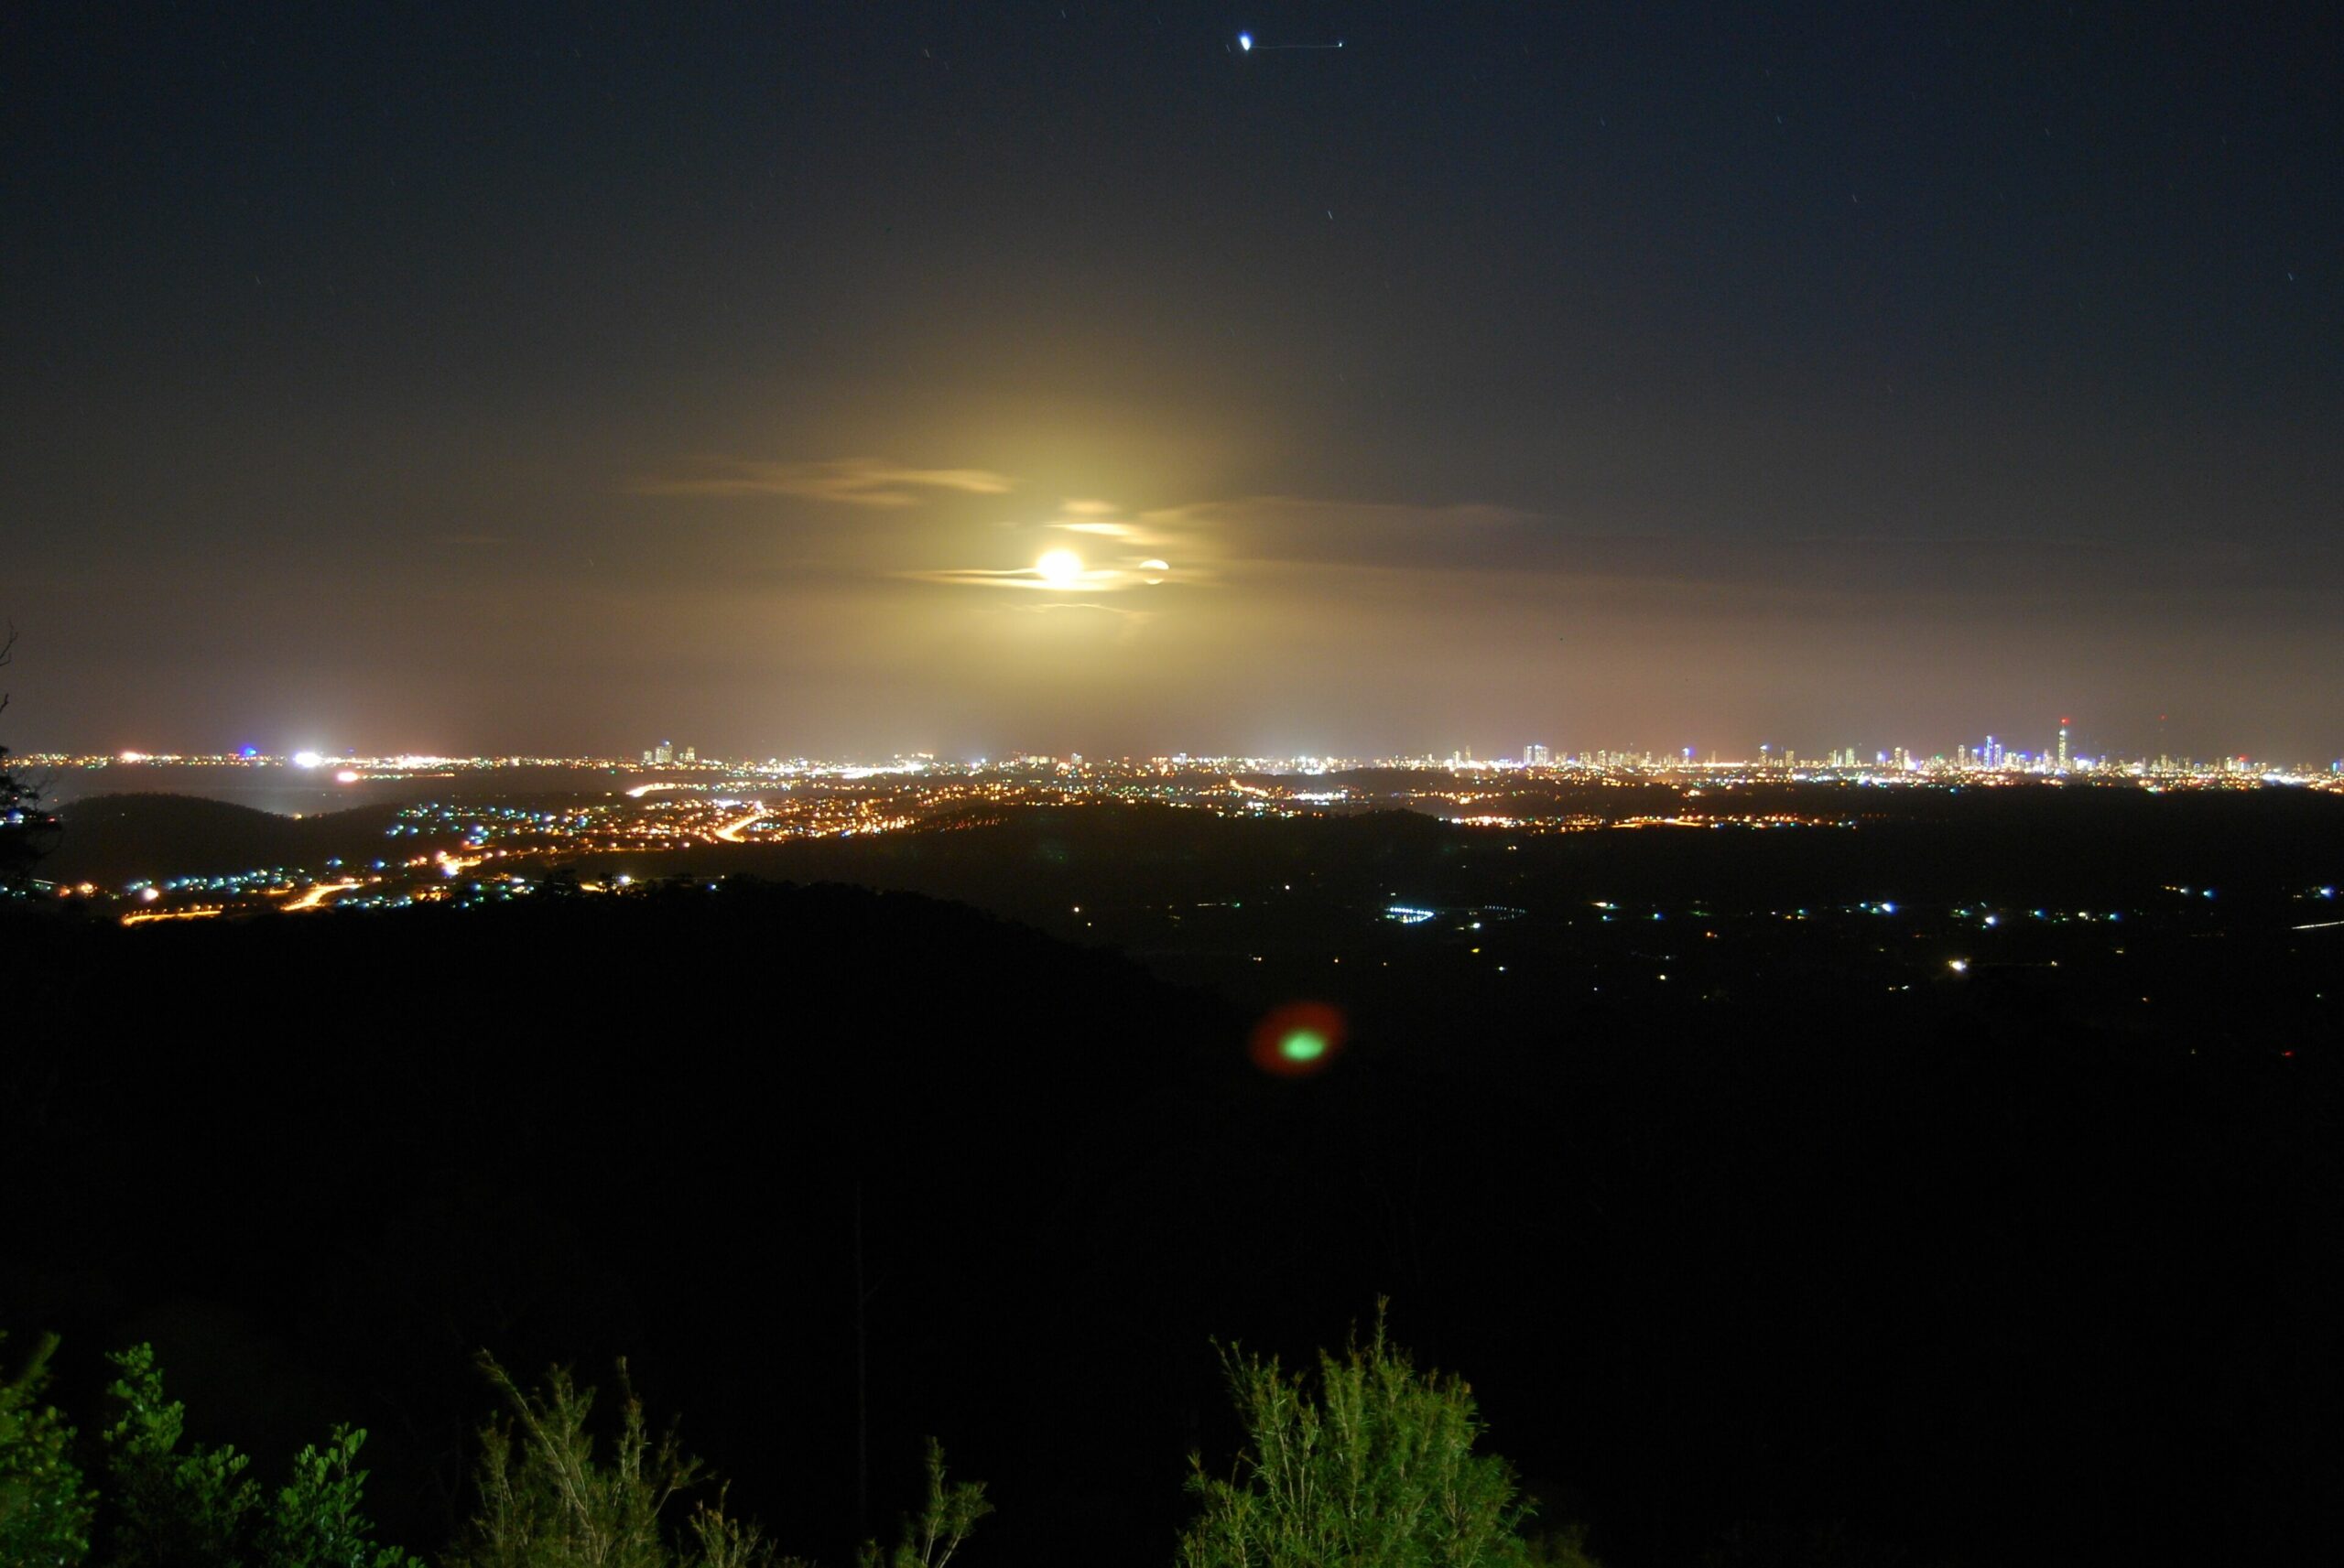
[[2062, 745]]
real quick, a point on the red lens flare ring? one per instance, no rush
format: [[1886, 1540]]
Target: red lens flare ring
[[1299, 1039]]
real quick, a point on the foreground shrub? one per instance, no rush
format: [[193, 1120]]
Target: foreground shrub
[[316, 1521], [45, 1504], [547, 1502], [168, 1502], [1368, 1464], [930, 1537], [174, 1504]]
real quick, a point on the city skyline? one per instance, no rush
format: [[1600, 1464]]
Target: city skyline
[[1991, 754]]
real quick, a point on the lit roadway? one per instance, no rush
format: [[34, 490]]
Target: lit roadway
[[730, 832], [317, 895]]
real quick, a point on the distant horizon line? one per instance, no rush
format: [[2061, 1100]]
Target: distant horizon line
[[1990, 756]]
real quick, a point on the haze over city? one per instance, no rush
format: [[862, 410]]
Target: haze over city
[[1636, 377]]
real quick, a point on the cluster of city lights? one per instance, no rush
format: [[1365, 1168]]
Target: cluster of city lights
[[502, 842], [1987, 762]]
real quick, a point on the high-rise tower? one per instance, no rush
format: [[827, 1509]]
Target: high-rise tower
[[2062, 745]]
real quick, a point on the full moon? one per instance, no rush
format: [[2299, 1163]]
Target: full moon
[[1059, 568]]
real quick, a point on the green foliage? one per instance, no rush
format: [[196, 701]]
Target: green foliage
[[547, 1502], [1370, 1465], [947, 1516], [167, 1507], [547, 1498], [317, 1522], [45, 1504], [195, 1508]]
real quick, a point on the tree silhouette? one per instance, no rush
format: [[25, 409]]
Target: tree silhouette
[[24, 828]]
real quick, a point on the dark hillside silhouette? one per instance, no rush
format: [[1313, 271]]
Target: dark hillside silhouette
[[320, 1163], [27, 829], [1975, 1280], [2088, 843], [109, 839]]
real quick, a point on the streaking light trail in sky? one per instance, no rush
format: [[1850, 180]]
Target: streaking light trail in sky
[[1245, 45]]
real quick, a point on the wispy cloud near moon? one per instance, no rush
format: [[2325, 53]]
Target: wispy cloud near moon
[[1300, 530], [849, 482], [1088, 580], [1136, 558], [1210, 543]]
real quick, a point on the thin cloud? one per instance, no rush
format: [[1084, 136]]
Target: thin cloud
[[1198, 545], [1127, 555], [979, 576], [1103, 520], [849, 482], [1265, 530], [1115, 579], [1084, 604], [1360, 516]]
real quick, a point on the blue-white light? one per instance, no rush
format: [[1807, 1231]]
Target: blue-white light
[[1245, 42]]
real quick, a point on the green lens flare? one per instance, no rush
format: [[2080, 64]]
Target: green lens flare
[[1303, 1045]]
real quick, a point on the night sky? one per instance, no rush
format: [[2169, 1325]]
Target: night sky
[[1622, 375]]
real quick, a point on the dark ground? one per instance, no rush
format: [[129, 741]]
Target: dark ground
[[1820, 1273]]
